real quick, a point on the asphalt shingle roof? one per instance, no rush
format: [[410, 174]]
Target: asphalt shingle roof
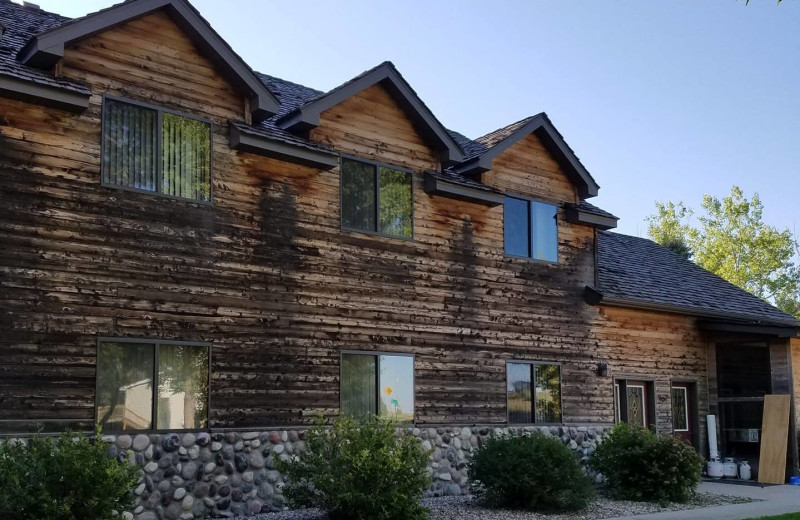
[[639, 270]]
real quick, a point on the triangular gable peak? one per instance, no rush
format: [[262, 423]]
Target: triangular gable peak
[[540, 125], [307, 116], [46, 49]]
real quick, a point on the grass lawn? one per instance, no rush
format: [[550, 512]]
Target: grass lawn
[[788, 516]]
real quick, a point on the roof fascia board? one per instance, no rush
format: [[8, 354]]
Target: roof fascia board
[[544, 129], [260, 145], [307, 117], [437, 186], [46, 95], [579, 216], [595, 297], [46, 49], [768, 330]]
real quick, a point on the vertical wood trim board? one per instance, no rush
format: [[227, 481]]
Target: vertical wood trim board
[[774, 439]]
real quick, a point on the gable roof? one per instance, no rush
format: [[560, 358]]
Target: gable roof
[[45, 48], [637, 272], [307, 116], [495, 143]]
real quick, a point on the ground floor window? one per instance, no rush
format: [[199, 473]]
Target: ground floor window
[[533, 392], [634, 402], [380, 384], [145, 385]]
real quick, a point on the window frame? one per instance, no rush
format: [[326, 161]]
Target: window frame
[[533, 392], [156, 344], [686, 408], [377, 355], [649, 402], [160, 111], [376, 165], [530, 200]]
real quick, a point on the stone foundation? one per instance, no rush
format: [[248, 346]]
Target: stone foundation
[[189, 475]]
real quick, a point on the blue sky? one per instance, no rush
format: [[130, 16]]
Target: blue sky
[[661, 99]]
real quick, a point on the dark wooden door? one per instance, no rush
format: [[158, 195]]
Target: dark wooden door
[[682, 412]]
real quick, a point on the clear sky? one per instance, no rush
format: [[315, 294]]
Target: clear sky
[[661, 99]]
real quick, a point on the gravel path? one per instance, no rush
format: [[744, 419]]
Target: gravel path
[[465, 508]]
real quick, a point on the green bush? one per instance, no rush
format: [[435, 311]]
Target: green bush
[[636, 464], [530, 472], [66, 478], [359, 471]]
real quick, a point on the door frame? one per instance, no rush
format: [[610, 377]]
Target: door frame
[[693, 408], [649, 402]]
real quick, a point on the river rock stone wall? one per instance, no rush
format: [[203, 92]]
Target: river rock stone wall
[[193, 475]]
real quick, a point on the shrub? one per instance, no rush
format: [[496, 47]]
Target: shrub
[[531, 472], [359, 471], [66, 478], [636, 464]]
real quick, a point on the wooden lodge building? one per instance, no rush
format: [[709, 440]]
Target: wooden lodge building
[[187, 245]]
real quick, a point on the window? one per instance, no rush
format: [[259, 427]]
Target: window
[[154, 150], [376, 199], [680, 408], [534, 393], [531, 229], [634, 402], [380, 384], [145, 383]]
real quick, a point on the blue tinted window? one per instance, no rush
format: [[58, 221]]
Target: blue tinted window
[[517, 228], [544, 240]]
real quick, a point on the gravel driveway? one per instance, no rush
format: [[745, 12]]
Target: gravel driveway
[[465, 508]]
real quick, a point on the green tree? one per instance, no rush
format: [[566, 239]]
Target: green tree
[[732, 240]]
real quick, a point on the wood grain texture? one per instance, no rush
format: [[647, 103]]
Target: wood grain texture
[[774, 436], [267, 275]]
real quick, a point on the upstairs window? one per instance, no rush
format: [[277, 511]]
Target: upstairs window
[[378, 384], [534, 393], [154, 150], [531, 229], [376, 199], [146, 385]]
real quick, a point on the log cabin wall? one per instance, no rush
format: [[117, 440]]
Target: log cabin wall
[[658, 347], [794, 349], [269, 278]]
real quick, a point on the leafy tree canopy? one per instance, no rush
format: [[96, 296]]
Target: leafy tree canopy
[[731, 240]]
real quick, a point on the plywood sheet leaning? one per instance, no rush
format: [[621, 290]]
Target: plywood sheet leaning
[[774, 439]]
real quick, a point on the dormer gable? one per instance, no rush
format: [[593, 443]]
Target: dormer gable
[[308, 116], [46, 49], [536, 129]]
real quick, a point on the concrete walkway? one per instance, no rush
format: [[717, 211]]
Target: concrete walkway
[[773, 500]]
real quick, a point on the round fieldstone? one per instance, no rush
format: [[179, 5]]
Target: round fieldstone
[[148, 452], [187, 503], [227, 452], [224, 491], [170, 443], [124, 442], [253, 507], [237, 495], [216, 446], [203, 439], [208, 502], [274, 437], [189, 470], [193, 452], [163, 486], [278, 449], [173, 511], [179, 494], [249, 436], [240, 461], [188, 439], [150, 467], [256, 460], [229, 469], [231, 437], [140, 442], [248, 476]]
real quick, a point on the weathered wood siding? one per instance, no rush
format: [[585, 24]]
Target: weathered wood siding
[[794, 347], [658, 347], [267, 275]]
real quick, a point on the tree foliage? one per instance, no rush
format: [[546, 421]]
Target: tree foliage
[[732, 240]]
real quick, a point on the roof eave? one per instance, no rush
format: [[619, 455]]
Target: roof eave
[[45, 50], [253, 142], [580, 216], [47, 95], [437, 186], [595, 296]]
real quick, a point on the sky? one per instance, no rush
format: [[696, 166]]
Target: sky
[[661, 99]]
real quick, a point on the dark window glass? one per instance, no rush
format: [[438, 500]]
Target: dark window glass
[[395, 202], [544, 238], [182, 387], [130, 136], [358, 195], [548, 393], [125, 386], [530, 229], [186, 157], [378, 384], [397, 387], [519, 393], [637, 403], [534, 393], [517, 227], [131, 139], [127, 377], [359, 390]]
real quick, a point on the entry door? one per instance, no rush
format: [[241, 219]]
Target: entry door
[[637, 403], [682, 412]]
